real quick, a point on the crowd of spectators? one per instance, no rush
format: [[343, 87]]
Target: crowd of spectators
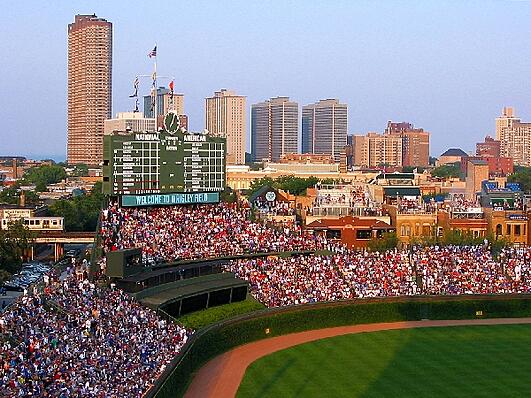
[[435, 270], [275, 208], [414, 206], [78, 339], [276, 281], [188, 232], [460, 270]]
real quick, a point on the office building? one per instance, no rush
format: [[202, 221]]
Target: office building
[[324, 128], [133, 122], [225, 117], [274, 129], [490, 147], [89, 87], [164, 105], [415, 143], [514, 137], [384, 150]]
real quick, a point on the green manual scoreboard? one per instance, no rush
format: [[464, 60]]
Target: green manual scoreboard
[[160, 163]]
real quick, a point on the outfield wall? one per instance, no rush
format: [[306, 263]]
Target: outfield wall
[[218, 338]]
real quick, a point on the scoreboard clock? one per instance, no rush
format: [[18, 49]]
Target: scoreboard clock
[[169, 161]]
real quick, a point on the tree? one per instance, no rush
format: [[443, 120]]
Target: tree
[[80, 170], [14, 241], [80, 213], [9, 196], [45, 175], [447, 171], [257, 184], [522, 175], [228, 195], [388, 241]]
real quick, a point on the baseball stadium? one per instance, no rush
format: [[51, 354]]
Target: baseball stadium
[[197, 291]]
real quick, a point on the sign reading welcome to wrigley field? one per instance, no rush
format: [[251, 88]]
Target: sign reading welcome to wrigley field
[[163, 162], [170, 199]]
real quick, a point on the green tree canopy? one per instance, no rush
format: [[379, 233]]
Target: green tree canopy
[[295, 185], [81, 212], [388, 241], [80, 170], [447, 171], [44, 175], [522, 175], [13, 242]]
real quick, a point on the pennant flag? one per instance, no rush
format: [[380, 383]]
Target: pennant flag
[[153, 53], [171, 86]]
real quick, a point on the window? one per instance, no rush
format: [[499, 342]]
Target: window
[[517, 230], [508, 229]]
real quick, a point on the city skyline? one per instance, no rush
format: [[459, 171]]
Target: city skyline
[[444, 77]]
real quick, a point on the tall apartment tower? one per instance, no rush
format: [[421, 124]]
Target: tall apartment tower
[[225, 117], [514, 137], [274, 129], [89, 87], [415, 143], [505, 121], [324, 128]]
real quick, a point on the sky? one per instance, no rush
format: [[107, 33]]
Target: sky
[[446, 66]]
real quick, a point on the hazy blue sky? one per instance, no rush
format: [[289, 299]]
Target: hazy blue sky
[[446, 66]]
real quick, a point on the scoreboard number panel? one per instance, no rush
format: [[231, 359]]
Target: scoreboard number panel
[[163, 162]]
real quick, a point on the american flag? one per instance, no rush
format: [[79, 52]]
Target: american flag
[[153, 53]]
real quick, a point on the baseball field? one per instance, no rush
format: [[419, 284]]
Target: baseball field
[[459, 361]]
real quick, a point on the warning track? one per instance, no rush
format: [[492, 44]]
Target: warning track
[[222, 376]]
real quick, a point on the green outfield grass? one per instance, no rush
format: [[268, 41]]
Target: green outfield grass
[[464, 361]]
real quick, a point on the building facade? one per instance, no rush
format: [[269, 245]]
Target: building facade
[[165, 103], [225, 117], [514, 137], [385, 150], [129, 121], [89, 87], [274, 129], [415, 143], [324, 128], [490, 147]]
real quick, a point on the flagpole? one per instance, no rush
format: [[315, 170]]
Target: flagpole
[[155, 112]]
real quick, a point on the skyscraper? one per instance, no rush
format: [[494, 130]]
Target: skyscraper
[[274, 129], [164, 100], [89, 87], [514, 137], [324, 128], [225, 117]]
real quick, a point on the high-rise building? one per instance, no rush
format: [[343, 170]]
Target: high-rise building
[[133, 122], [274, 129], [225, 117], [164, 103], [514, 137], [385, 150], [89, 87], [359, 149], [415, 143], [506, 120], [490, 147], [324, 128]]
